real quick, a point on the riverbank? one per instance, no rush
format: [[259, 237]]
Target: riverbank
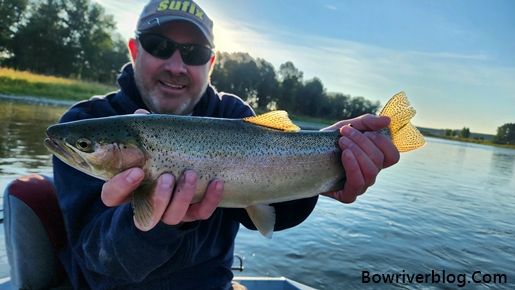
[[471, 140], [22, 83], [38, 100]]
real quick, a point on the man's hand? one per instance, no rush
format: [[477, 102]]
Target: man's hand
[[172, 209], [364, 155]]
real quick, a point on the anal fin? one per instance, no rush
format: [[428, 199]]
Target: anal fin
[[263, 217]]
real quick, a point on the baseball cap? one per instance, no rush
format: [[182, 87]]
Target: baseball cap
[[158, 12]]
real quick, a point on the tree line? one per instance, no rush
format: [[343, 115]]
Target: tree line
[[67, 38], [505, 134], [463, 133], [259, 84]]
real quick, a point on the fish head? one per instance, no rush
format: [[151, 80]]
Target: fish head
[[97, 148]]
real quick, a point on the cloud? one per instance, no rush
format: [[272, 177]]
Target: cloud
[[331, 7], [451, 55]]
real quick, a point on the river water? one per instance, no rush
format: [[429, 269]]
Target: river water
[[443, 217]]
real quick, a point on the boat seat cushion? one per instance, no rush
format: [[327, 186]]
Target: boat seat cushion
[[34, 232]]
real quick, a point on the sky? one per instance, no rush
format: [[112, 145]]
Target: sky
[[455, 59]]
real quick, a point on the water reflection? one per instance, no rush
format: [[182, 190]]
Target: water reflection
[[22, 131], [502, 163]]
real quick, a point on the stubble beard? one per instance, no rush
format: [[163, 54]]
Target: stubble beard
[[152, 101]]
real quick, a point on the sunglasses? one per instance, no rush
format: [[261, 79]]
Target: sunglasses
[[163, 48]]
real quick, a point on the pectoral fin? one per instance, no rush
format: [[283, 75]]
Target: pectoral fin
[[143, 205], [263, 217]]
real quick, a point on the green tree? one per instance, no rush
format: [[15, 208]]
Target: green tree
[[310, 98], [70, 38], [358, 106], [219, 76], [465, 132], [255, 81], [40, 43], [11, 12], [505, 134], [335, 106], [449, 133], [111, 61], [267, 85], [89, 31], [242, 76], [290, 79]]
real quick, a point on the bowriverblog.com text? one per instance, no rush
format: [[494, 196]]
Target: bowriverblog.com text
[[435, 277]]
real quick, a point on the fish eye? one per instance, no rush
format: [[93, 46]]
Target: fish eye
[[83, 144]]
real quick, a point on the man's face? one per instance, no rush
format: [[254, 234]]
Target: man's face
[[169, 86]]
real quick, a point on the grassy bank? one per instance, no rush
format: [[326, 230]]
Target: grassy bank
[[18, 83]]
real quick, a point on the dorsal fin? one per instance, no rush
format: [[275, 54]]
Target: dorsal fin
[[276, 120]]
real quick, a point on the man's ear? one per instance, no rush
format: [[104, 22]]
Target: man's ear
[[133, 49]]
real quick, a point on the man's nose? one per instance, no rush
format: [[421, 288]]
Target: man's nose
[[175, 64]]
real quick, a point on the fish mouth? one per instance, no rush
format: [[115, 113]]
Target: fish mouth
[[66, 154]]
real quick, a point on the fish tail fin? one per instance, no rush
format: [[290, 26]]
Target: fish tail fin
[[143, 205], [263, 217], [405, 136]]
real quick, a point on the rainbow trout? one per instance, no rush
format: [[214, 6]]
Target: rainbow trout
[[263, 159]]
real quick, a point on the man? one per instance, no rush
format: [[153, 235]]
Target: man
[[187, 246]]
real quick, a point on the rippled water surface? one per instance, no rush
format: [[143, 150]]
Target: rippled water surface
[[446, 207]]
